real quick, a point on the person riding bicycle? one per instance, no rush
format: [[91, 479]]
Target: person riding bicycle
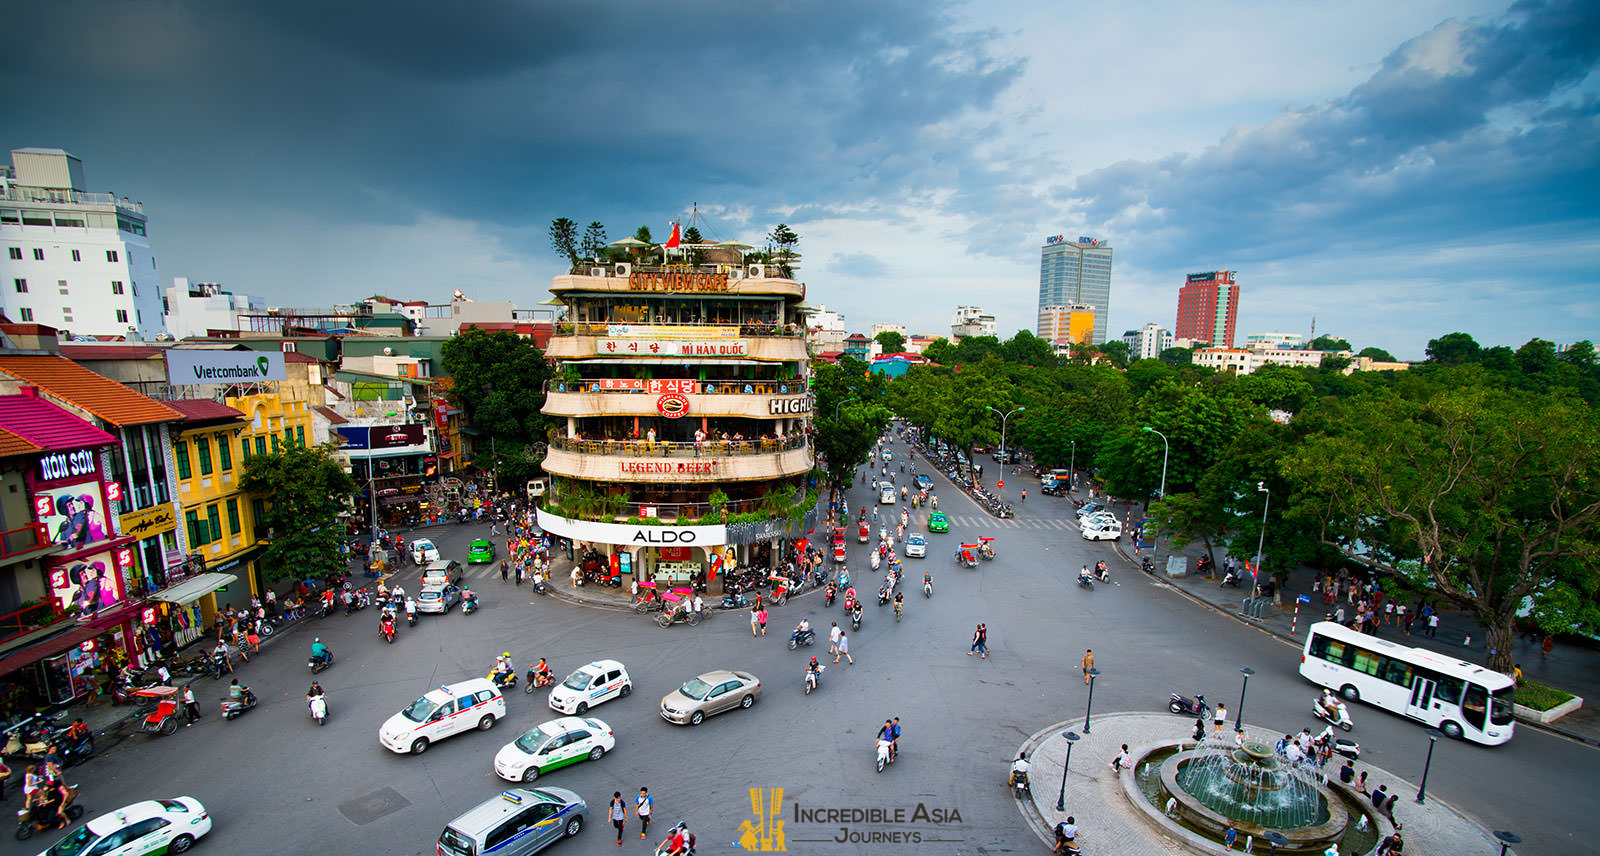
[[899, 604], [319, 651]]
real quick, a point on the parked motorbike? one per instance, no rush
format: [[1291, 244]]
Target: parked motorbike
[[319, 709], [26, 826], [1182, 706], [1339, 716], [31, 737], [734, 600], [799, 638]]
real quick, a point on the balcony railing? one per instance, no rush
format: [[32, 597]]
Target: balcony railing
[[28, 619], [747, 329], [25, 539], [703, 387], [769, 270], [53, 196], [662, 449]]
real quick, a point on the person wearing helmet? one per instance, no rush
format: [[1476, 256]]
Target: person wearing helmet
[[319, 651]]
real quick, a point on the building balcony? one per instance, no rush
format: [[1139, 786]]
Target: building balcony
[[709, 279], [679, 342], [23, 542], [667, 463], [747, 399], [54, 196]]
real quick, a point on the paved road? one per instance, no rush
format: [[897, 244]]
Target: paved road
[[276, 782]]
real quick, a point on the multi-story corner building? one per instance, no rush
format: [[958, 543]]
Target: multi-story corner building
[[1064, 325], [1208, 307], [1147, 342], [204, 308], [72, 259], [971, 321], [1075, 273], [683, 414]]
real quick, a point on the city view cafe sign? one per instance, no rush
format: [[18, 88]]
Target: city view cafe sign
[[633, 535]]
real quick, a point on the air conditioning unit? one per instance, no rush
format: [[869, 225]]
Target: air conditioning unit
[[735, 274], [622, 269], [758, 271], [597, 271]]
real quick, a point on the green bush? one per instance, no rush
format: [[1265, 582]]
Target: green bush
[[1540, 696]]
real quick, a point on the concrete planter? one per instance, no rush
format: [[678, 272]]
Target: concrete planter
[[1545, 717]]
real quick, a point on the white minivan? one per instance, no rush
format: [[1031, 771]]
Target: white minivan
[[602, 680], [440, 713], [887, 495]]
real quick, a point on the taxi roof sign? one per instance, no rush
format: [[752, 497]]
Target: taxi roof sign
[[511, 797]]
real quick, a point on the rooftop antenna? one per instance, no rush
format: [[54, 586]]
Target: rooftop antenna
[[1313, 331]]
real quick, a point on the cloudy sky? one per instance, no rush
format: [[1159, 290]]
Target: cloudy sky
[[1395, 170]]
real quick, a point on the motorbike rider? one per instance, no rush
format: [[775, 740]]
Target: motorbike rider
[[411, 610], [239, 692], [76, 732], [469, 598], [1019, 769], [1085, 576], [813, 673], [542, 676], [803, 628], [314, 691], [1101, 572], [386, 623], [680, 842], [319, 651], [927, 580], [1331, 706], [899, 604], [830, 594]]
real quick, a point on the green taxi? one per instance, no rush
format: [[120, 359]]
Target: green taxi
[[480, 552], [937, 522]]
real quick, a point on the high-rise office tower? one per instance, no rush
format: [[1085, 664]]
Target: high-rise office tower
[[1076, 273], [1208, 306]]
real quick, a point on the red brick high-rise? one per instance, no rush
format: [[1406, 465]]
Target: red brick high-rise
[[1208, 307]]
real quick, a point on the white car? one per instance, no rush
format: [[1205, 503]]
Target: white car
[[1110, 530], [553, 745], [437, 599], [443, 712], [887, 495], [152, 826], [423, 552], [1096, 519], [600, 681], [888, 455], [916, 546]]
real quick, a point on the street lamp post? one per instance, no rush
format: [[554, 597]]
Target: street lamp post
[[1262, 540], [1506, 839], [1422, 790], [1061, 799], [1089, 710], [1166, 450], [1072, 468], [1238, 720], [1000, 491], [840, 404]]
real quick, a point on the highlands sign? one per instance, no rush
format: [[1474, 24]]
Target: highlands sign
[[187, 367]]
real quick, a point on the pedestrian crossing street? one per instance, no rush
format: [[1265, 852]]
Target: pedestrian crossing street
[[965, 523]]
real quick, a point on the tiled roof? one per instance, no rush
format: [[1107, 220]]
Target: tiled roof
[[101, 396], [111, 352], [297, 357], [11, 444], [331, 415], [204, 410], [45, 426]]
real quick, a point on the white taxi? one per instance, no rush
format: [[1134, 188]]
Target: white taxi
[[600, 681], [152, 826], [441, 713], [553, 745]]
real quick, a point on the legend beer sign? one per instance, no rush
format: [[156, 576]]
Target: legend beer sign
[[672, 348]]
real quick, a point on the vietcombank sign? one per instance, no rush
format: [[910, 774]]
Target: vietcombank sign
[[193, 367]]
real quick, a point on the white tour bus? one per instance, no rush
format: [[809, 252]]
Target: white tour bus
[[1461, 699]]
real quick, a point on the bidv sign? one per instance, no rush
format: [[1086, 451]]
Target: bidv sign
[[187, 367], [65, 465], [782, 406]]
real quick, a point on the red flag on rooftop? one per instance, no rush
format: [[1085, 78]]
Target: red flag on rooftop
[[673, 241]]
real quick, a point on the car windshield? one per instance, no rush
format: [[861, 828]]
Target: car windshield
[[422, 545], [420, 710], [73, 844], [454, 843], [578, 680], [535, 738], [917, 539], [1500, 710], [695, 689]]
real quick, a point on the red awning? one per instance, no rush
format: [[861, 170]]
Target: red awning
[[54, 645]]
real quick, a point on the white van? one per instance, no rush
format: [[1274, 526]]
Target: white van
[[887, 495], [451, 709]]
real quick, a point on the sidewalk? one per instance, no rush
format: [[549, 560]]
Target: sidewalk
[[1098, 799], [1572, 667]]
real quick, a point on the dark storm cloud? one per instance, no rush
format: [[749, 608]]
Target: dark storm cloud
[[1470, 127]]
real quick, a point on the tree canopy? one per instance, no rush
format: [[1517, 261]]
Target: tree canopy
[[498, 380], [893, 341], [303, 492]]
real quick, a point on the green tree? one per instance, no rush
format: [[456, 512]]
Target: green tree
[[1117, 351], [849, 419], [643, 234], [1453, 349], [1177, 356], [893, 341], [784, 240], [564, 239], [1377, 355], [1328, 343], [303, 492], [1483, 495], [498, 380], [594, 241], [1183, 518], [1579, 353], [1028, 349], [1537, 357], [941, 351]]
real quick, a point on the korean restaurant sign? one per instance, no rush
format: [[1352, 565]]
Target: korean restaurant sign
[[659, 331], [654, 387], [672, 348]]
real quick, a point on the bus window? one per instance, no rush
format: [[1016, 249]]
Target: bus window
[[1500, 712], [1476, 706], [1365, 661], [1396, 671], [1448, 689]]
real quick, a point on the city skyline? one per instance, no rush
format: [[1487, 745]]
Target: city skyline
[[1398, 173]]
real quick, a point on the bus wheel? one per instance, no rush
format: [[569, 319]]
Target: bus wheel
[[1450, 729], [1350, 693]]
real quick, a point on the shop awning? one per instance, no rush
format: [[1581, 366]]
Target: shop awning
[[189, 591], [96, 625]]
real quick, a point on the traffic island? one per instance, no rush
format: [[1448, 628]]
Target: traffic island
[[1132, 813]]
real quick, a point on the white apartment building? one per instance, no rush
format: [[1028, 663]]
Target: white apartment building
[[1147, 342], [1246, 360], [196, 308], [971, 321], [1274, 340], [825, 330], [77, 261], [887, 328]]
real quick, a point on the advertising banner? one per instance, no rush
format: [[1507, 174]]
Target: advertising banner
[[673, 348], [91, 584], [655, 331], [396, 436], [631, 535], [676, 387], [73, 515], [195, 367], [355, 437]]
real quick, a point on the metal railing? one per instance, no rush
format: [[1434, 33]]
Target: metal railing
[[28, 619], [664, 449], [771, 270], [52, 196], [704, 387], [757, 328], [14, 542]]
